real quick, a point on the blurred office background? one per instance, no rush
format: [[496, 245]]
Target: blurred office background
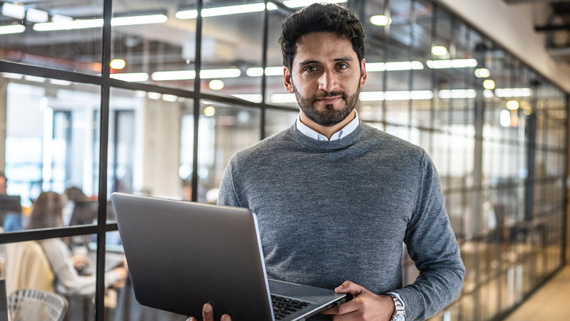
[[153, 98]]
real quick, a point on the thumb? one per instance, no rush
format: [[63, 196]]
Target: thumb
[[350, 287]]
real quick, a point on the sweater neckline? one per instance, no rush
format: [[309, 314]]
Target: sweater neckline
[[342, 143]]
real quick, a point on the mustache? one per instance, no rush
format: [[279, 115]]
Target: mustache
[[327, 94]]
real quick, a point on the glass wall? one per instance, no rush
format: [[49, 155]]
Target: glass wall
[[153, 98]]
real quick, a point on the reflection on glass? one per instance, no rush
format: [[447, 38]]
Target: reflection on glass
[[278, 120], [224, 130], [50, 140], [45, 35]]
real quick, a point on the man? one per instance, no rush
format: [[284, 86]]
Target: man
[[3, 183], [335, 198]]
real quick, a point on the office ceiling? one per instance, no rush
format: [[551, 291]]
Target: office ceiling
[[553, 19]]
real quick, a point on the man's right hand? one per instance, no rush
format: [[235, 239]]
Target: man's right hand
[[208, 314]]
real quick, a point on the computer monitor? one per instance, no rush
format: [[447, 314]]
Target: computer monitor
[[11, 209], [84, 212]]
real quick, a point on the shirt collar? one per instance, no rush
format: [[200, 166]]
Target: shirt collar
[[343, 132]]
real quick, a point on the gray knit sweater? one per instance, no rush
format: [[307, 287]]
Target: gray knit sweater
[[340, 210]]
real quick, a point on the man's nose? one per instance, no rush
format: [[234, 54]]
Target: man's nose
[[328, 81]]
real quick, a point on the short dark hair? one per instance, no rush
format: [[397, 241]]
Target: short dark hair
[[320, 17]]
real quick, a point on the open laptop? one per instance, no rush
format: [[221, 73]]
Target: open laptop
[[184, 254]]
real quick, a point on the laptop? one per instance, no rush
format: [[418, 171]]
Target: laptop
[[184, 254]]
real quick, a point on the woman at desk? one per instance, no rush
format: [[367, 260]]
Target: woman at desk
[[47, 212]]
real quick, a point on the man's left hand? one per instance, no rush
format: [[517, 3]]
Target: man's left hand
[[365, 305]]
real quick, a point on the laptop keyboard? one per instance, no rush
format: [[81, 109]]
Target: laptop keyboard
[[283, 307]]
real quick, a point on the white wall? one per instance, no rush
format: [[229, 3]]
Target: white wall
[[513, 27]]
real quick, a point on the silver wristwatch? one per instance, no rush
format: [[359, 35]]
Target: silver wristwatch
[[400, 307]]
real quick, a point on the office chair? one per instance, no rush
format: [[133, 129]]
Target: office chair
[[32, 304]]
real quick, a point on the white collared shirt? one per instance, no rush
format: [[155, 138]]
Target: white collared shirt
[[345, 131]]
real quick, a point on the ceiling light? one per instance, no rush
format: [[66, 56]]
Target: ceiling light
[[505, 118], [439, 51], [255, 98], [15, 11], [216, 84], [138, 20], [35, 15], [457, 93], [209, 111], [488, 93], [304, 3], [283, 98], [98, 23], [10, 75], [394, 66], [59, 18], [482, 73], [380, 20], [269, 71], [452, 63], [489, 84], [12, 29], [131, 77], [60, 82], [118, 64], [153, 95], [396, 95], [224, 11], [513, 92], [512, 105], [220, 73], [35, 79], [173, 75], [169, 98]]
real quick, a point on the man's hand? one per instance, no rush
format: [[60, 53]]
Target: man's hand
[[208, 314], [365, 305]]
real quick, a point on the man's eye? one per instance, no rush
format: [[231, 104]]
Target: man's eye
[[310, 68], [342, 66]]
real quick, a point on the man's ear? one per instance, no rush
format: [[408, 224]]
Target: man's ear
[[287, 80], [363, 74]]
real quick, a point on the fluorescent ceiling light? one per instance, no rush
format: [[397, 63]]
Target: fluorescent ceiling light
[[304, 3], [482, 73], [169, 98], [12, 29], [505, 118], [224, 11], [220, 73], [453, 63], [10, 75], [283, 98], [380, 20], [69, 25], [256, 98], [396, 95], [394, 66], [513, 92], [173, 75], [269, 71], [138, 20], [98, 23], [59, 18], [60, 82], [35, 15], [488, 93], [216, 84], [439, 50], [457, 93], [131, 77], [153, 95], [489, 84], [15, 11], [35, 79]]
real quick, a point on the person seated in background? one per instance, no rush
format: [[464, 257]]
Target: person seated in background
[[47, 212], [71, 195]]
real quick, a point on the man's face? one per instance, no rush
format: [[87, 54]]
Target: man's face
[[326, 77], [2, 185]]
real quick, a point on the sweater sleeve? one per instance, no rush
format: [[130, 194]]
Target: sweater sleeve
[[69, 281], [433, 247], [227, 195]]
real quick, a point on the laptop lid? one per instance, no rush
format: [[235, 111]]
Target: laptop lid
[[184, 254]]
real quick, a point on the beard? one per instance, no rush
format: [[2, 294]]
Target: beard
[[330, 116]]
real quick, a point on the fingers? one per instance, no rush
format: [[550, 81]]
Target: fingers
[[350, 287], [207, 313], [345, 308]]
